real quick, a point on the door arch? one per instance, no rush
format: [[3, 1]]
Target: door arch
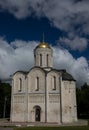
[[37, 113]]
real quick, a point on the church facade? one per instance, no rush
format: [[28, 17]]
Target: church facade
[[43, 94]]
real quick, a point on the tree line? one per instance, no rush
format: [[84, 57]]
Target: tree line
[[5, 100], [82, 95], [83, 101]]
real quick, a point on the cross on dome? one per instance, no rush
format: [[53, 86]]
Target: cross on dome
[[43, 44]]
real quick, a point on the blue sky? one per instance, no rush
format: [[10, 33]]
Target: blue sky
[[66, 28], [27, 29]]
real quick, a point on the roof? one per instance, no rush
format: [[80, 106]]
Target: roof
[[20, 71], [65, 75]]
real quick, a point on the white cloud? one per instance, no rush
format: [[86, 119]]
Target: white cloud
[[18, 55], [63, 14], [15, 56], [60, 13], [22, 8], [76, 43], [79, 68]]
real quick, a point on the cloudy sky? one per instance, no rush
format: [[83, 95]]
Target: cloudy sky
[[65, 24]]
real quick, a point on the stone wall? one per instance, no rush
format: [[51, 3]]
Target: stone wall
[[68, 93]]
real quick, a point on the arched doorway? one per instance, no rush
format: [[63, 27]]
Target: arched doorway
[[37, 113]]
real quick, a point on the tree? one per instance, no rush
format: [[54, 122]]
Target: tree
[[5, 99], [83, 101]]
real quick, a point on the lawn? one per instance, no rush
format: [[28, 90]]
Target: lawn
[[55, 128]]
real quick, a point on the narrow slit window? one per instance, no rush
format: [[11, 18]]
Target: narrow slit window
[[37, 84], [20, 85], [47, 59], [54, 83], [40, 59]]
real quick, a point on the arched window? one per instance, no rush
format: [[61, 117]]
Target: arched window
[[20, 85], [54, 83], [47, 59], [40, 59], [37, 84]]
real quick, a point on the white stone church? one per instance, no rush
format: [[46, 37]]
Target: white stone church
[[43, 94]]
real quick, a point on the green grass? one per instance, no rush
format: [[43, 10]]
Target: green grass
[[55, 128]]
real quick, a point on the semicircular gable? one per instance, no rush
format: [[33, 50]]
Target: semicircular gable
[[35, 69], [19, 73], [36, 79], [53, 80], [55, 72]]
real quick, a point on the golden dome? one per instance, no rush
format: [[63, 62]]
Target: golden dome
[[43, 45]]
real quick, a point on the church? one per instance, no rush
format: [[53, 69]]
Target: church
[[43, 94]]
